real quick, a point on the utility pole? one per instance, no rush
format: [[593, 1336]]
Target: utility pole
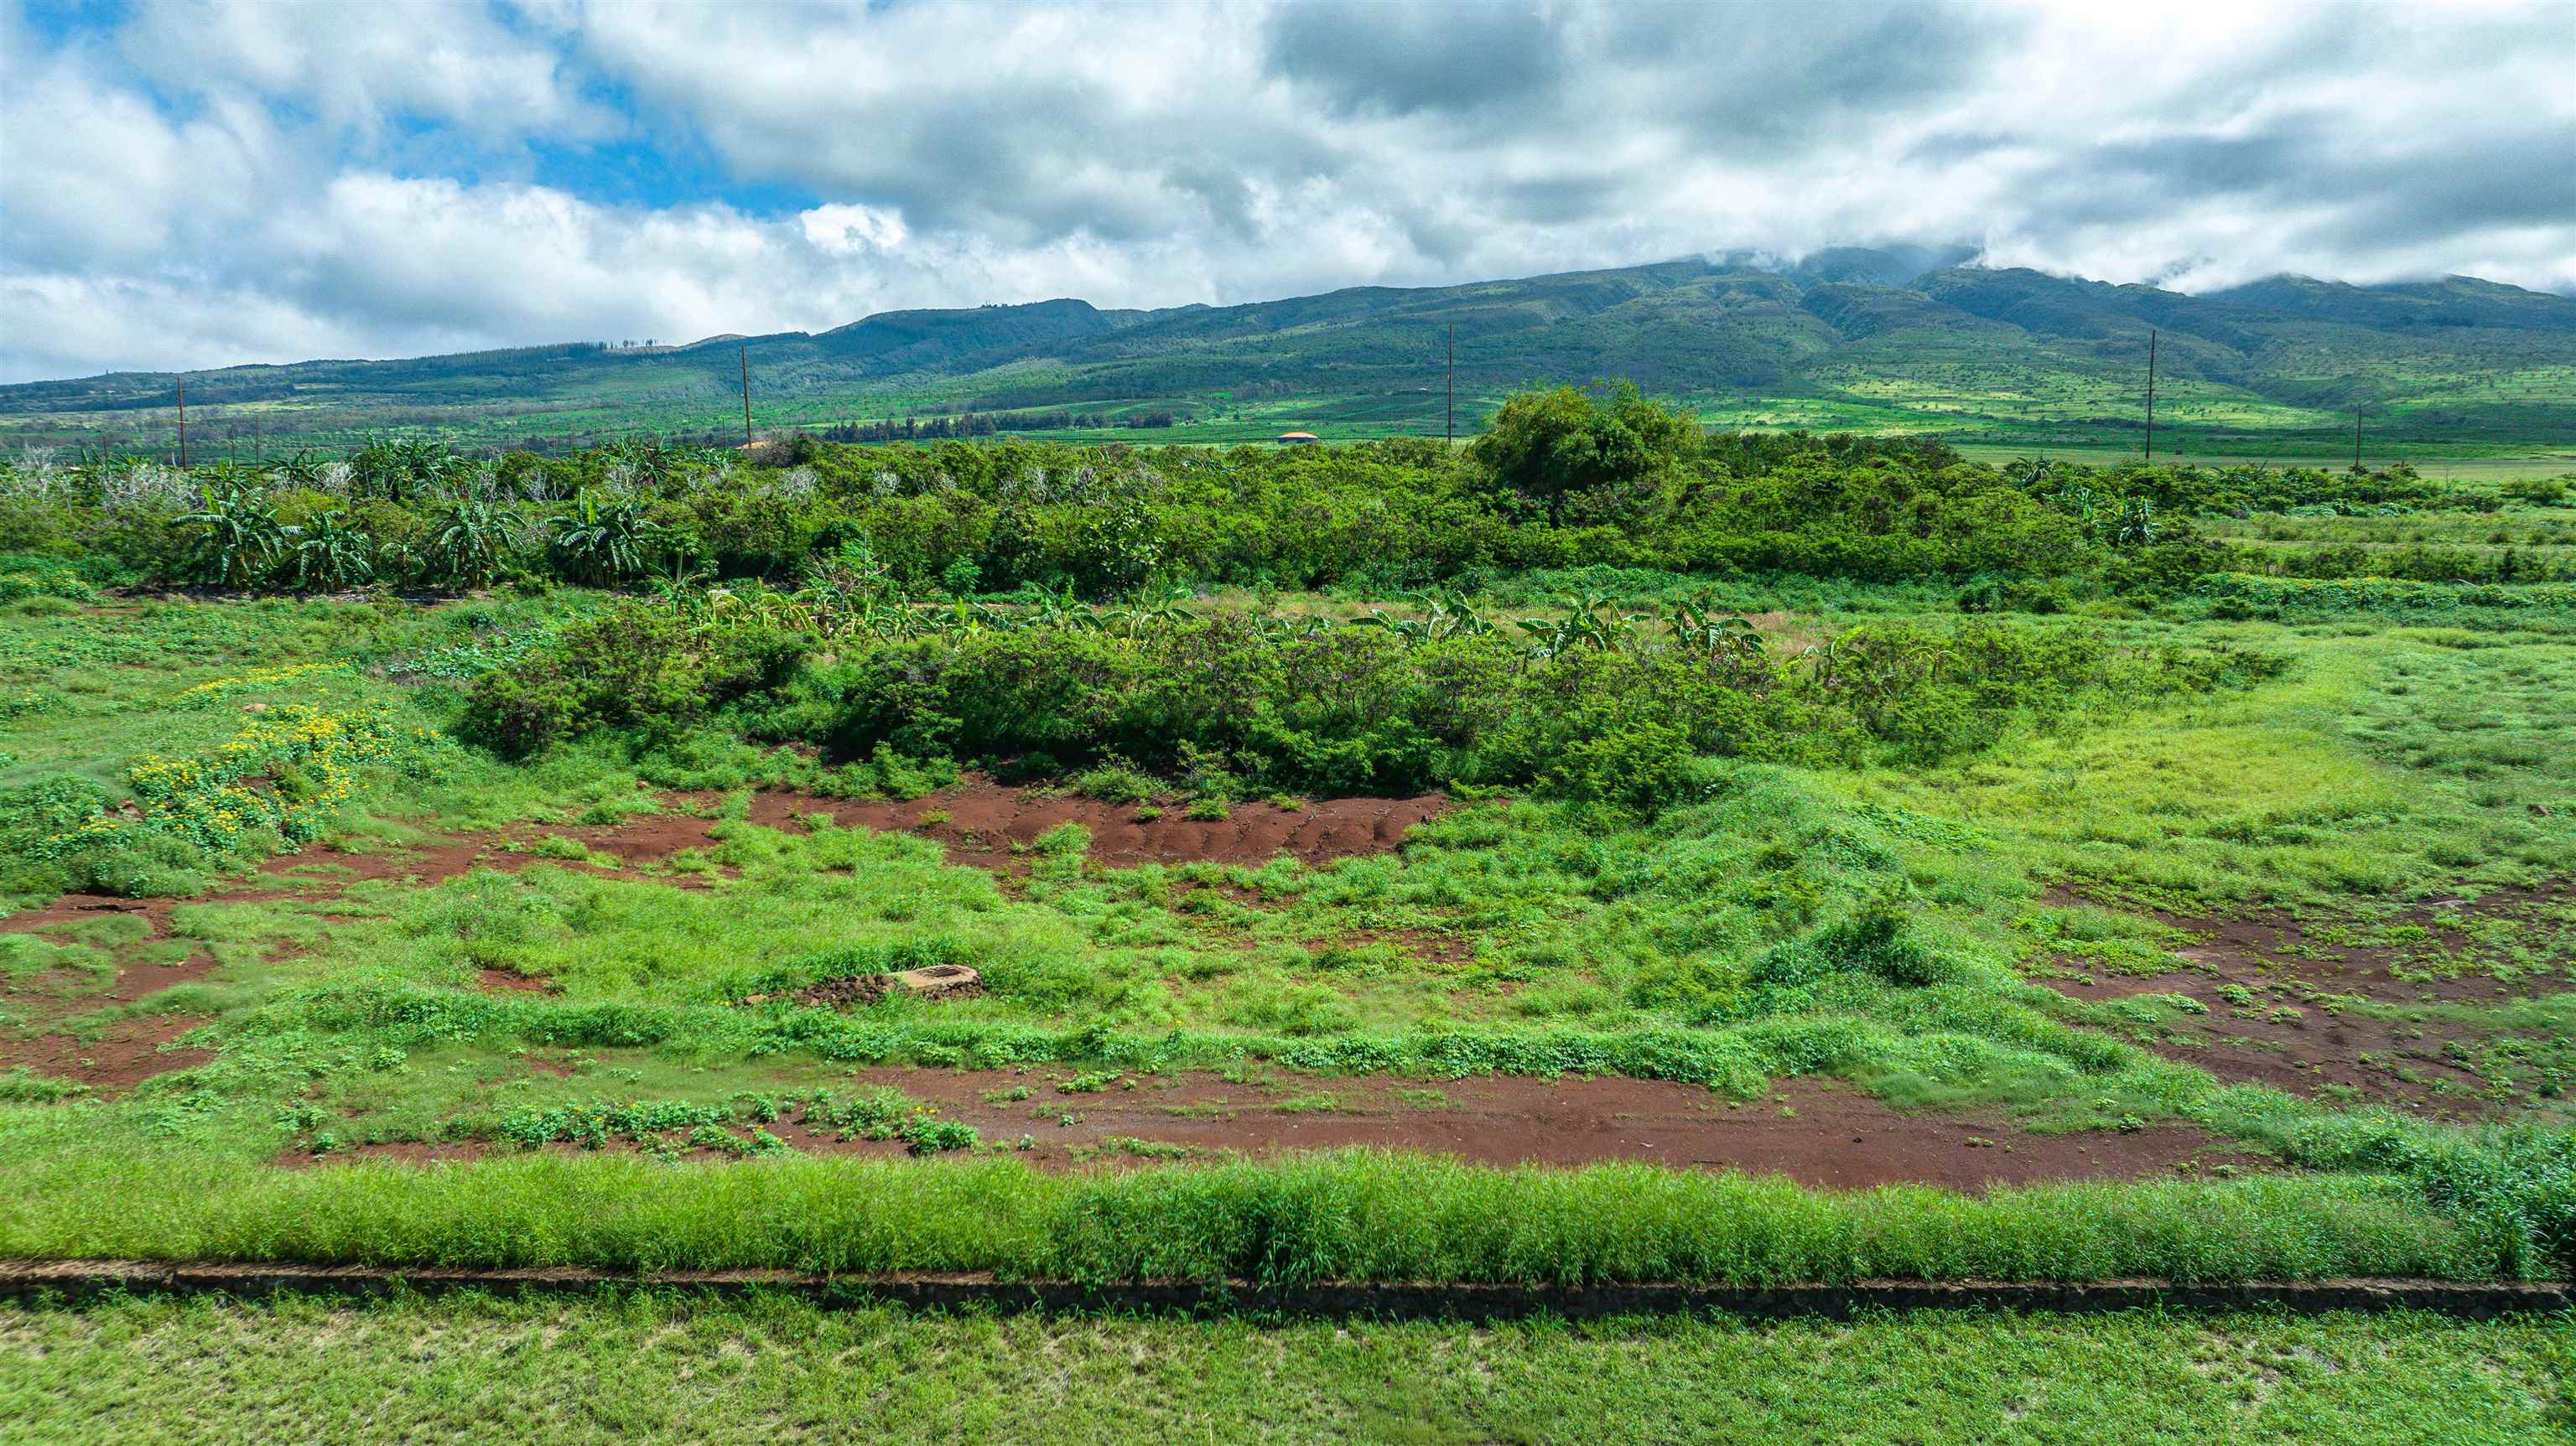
[[1453, 384], [183, 426], [746, 395], [2151, 396], [2356, 436]]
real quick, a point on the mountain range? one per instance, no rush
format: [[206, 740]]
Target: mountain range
[[1887, 340]]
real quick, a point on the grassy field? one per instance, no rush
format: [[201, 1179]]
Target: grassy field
[[1774, 860], [343, 1005], [2451, 464], [669, 1369]]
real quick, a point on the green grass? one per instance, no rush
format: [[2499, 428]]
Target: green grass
[[664, 1368], [1357, 1216], [2458, 464], [2399, 758]]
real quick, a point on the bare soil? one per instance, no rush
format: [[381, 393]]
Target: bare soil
[[993, 825], [128, 1053], [2442, 964], [1810, 1132], [2299, 1035], [986, 825]]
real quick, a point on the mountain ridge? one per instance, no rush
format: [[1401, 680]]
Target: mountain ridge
[[1872, 338]]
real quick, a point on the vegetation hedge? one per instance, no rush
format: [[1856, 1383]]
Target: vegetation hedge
[[1347, 1216]]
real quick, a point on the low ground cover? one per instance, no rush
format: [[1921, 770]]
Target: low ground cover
[[673, 1368], [2240, 915]]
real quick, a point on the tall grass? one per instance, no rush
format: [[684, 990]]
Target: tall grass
[[1346, 1216]]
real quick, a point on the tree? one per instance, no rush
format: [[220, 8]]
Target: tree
[[1583, 459]]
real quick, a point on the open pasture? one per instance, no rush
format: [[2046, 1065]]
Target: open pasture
[[1758, 860]]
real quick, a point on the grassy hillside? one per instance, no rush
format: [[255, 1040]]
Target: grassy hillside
[[1851, 339]]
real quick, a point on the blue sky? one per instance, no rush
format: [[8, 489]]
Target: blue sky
[[222, 181]]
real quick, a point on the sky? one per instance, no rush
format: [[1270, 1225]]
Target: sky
[[192, 185]]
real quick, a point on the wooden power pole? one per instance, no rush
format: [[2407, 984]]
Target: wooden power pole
[[1453, 384], [2356, 436], [183, 425], [746, 395], [2151, 395]]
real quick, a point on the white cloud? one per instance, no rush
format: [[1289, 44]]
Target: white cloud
[[364, 67], [233, 181]]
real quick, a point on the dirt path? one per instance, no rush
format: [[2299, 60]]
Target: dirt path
[[1811, 1132]]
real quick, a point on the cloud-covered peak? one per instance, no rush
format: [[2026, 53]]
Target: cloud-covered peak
[[194, 184]]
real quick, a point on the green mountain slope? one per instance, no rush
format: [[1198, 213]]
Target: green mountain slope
[[1885, 340]]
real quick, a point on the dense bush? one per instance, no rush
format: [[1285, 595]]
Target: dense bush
[[1235, 694], [634, 667], [1560, 479]]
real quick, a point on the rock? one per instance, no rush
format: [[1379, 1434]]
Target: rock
[[940, 981]]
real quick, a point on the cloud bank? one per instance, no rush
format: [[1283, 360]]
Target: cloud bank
[[202, 184]]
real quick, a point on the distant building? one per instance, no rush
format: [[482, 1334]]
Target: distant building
[[1297, 439]]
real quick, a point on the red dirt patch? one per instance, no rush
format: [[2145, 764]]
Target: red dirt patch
[[990, 825], [647, 838], [2289, 1038], [1822, 1136], [129, 1053], [506, 979], [400, 1152], [71, 908], [2438, 964]]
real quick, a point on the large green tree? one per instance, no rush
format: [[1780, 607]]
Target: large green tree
[[1586, 458]]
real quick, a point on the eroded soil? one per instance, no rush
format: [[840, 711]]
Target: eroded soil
[[982, 824], [129, 1050], [994, 825], [1811, 1132], [2385, 1013]]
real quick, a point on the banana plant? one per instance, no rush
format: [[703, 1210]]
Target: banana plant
[[602, 542], [1160, 609], [1445, 614], [1276, 628], [1450, 615], [2080, 502], [467, 543], [243, 538], [304, 469], [1411, 630], [2134, 524], [1699, 627], [1061, 610], [1583, 626], [332, 553]]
